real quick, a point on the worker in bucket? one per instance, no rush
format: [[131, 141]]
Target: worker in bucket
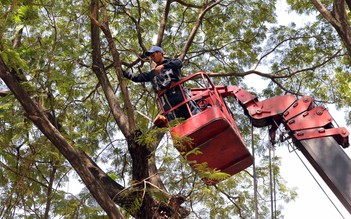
[[166, 71]]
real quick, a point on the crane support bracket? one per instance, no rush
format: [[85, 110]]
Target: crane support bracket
[[301, 105], [316, 117], [340, 135]]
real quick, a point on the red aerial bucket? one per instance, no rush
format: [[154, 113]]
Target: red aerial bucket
[[210, 140], [217, 143]]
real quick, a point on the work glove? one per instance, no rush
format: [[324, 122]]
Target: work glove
[[160, 121], [127, 74]]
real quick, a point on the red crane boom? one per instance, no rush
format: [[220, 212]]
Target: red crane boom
[[213, 138]]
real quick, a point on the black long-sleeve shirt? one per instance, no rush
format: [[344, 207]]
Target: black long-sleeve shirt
[[162, 80]]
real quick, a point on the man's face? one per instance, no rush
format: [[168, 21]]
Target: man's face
[[156, 57]]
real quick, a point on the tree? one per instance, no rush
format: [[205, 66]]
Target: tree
[[334, 14], [70, 107]]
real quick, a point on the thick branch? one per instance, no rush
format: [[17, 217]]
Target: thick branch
[[197, 25], [37, 116], [126, 124], [338, 19], [188, 4], [325, 13], [117, 66], [163, 22]]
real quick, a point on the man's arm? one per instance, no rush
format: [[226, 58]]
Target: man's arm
[[142, 77]]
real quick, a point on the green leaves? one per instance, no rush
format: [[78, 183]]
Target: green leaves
[[54, 54], [208, 174], [26, 14], [13, 60]]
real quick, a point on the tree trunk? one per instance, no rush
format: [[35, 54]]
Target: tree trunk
[[140, 171], [49, 191], [36, 115]]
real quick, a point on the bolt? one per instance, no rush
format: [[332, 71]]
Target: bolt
[[305, 114], [319, 112], [286, 113], [306, 99], [300, 134], [321, 130], [291, 121], [295, 104]]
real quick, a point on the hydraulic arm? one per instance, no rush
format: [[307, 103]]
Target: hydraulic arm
[[214, 133], [311, 131]]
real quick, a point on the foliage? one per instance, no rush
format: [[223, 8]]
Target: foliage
[[55, 57]]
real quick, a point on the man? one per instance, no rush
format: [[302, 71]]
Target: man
[[161, 77]]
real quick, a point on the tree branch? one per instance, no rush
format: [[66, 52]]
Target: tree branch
[[126, 124], [197, 25], [4, 93], [137, 26], [325, 13], [37, 116], [338, 19], [163, 22], [7, 18]]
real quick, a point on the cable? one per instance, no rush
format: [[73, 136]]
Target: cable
[[274, 188], [271, 182], [320, 186], [254, 173]]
